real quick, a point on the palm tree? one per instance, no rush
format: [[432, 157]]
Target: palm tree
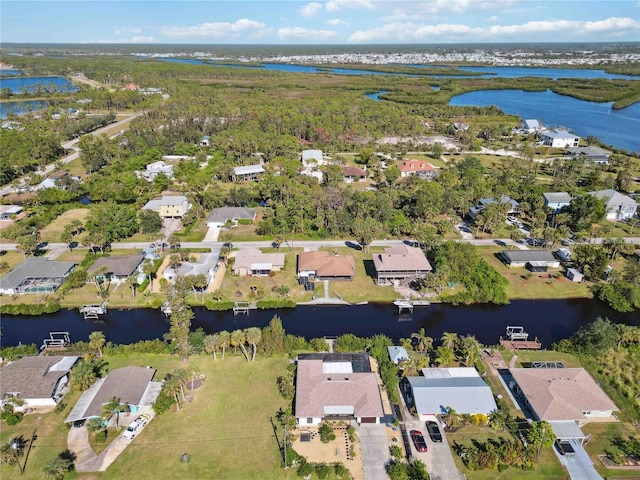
[[83, 375], [111, 407], [471, 349], [56, 468], [172, 385], [424, 343], [148, 269], [253, 336], [449, 340], [225, 340], [97, 341], [132, 281], [237, 340], [95, 424], [212, 344], [444, 355], [182, 376]]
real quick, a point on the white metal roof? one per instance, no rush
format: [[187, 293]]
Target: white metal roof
[[466, 395], [248, 169]]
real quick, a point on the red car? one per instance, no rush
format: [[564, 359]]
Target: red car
[[418, 440]]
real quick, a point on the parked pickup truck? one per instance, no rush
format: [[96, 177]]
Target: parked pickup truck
[[565, 448]]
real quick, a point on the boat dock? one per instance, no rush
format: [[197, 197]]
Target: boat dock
[[407, 305], [518, 339], [56, 341], [92, 312], [243, 307]]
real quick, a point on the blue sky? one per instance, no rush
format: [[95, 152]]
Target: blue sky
[[319, 22]]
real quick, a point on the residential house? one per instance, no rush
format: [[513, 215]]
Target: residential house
[[119, 267], [323, 265], [532, 126], [398, 354], [534, 260], [248, 173], [252, 262], [461, 389], [619, 206], [52, 180], [156, 168], [513, 207], [595, 154], [556, 201], [220, 216], [560, 139], [132, 386], [312, 160], [39, 381], [353, 174], [400, 265], [561, 394], [420, 168], [337, 386], [169, 206], [35, 275], [7, 212], [207, 265]]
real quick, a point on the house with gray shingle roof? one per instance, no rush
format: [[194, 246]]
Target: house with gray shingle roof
[[220, 216], [531, 259], [595, 154], [619, 206], [118, 267], [40, 381], [556, 201], [35, 275]]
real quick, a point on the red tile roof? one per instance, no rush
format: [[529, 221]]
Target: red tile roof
[[410, 165]]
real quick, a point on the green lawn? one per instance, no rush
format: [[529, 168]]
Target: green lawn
[[528, 356], [51, 233], [12, 257], [536, 286], [601, 435]]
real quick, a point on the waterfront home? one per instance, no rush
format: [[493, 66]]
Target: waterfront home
[[512, 207], [323, 265], [420, 168], [132, 386], [561, 394], [534, 260], [219, 217], [398, 354], [119, 267], [556, 201], [35, 275], [353, 174], [247, 173], [169, 206], [252, 262], [38, 381], [618, 206], [7, 212], [438, 389], [207, 265], [595, 154], [337, 386], [560, 139], [532, 126], [400, 265]]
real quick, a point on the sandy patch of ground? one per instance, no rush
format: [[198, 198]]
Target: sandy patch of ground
[[330, 453]]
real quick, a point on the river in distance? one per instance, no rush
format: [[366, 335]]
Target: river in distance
[[548, 320]]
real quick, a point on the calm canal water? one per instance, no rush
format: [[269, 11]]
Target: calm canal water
[[548, 320], [614, 127]]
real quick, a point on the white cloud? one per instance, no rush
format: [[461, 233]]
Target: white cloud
[[337, 22], [307, 33], [135, 39], [127, 31], [310, 9], [336, 5], [412, 31], [493, 18], [218, 30]]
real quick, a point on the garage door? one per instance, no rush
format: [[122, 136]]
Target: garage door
[[368, 420]]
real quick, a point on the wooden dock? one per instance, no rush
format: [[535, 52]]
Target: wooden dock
[[404, 304], [56, 341], [243, 307], [514, 345], [92, 312]]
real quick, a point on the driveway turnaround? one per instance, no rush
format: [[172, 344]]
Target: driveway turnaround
[[438, 458], [580, 466], [375, 451]]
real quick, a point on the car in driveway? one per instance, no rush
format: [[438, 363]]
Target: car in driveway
[[433, 431], [135, 426], [418, 440], [564, 448]]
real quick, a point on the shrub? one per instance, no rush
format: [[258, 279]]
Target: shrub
[[163, 403], [51, 306], [396, 452], [270, 304], [326, 433], [101, 436], [322, 470], [10, 416], [341, 470], [218, 306], [305, 469], [14, 353]]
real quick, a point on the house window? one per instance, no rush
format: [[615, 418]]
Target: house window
[[309, 421]]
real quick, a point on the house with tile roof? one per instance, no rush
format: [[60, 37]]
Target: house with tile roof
[[420, 168], [619, 206], [323, 265], [400, 265], [337, 386], [561, 394], [353, 174], [40, 381]]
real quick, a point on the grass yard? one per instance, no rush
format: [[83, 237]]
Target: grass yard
[[528, 356], [549, 468], [225, 429], [53, 231], [12, 257], [538, 285], [601, 435], [50, 441]]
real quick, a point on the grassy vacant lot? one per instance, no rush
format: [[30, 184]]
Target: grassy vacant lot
[[549, 468], [51, 233], [539, 285], [601, 435], [225, 428]]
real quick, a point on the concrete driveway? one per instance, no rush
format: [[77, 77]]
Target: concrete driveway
[[580, 466], [438, 458], [375, 451]]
